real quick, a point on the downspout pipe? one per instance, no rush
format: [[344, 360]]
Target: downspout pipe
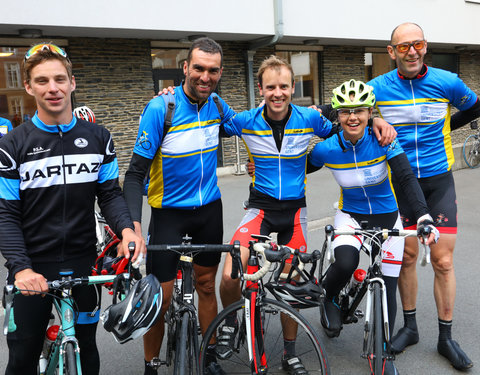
[[250, 53]]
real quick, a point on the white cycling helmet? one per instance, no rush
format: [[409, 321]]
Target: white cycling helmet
[[84, 113], [133, 317]]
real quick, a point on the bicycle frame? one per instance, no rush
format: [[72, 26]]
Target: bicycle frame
[[64, 307]]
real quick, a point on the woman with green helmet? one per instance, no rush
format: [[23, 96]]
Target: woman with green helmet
[[362, 169]]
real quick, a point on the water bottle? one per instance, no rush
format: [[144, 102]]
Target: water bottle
[[50, 337], [356, 281]]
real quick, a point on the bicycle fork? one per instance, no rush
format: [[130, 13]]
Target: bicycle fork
[[369, 311]]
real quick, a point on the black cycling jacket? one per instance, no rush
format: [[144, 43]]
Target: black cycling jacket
[[49, 178]]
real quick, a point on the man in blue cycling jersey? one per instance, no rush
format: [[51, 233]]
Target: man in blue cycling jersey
[[417, 100], [182, 191], [5, 126], [52, 168]]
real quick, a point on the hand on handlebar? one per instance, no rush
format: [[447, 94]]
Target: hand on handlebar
[[128, 235], [427, 233], [30, 282]]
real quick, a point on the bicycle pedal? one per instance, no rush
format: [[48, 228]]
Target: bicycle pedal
[[156, 363]]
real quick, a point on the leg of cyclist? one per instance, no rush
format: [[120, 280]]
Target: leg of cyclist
[[252, 223]]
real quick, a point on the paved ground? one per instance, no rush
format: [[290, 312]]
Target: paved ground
[[344, 352]]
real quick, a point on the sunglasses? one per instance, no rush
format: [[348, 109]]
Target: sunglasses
[[405, 47], [345, 112], [45, 47]]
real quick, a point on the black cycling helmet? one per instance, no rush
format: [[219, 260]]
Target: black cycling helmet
[[299, 295], [84, 113], [134, 316]]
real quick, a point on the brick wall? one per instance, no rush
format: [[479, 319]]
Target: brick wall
[[114, 79]]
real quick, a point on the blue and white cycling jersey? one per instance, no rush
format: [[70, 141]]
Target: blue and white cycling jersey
[[183, 171], [279, 174], [361, 171], [420, 111], [5, 126]]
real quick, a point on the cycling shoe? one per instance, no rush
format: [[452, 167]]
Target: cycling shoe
[[404, 337], [331, 318], [452, 351]]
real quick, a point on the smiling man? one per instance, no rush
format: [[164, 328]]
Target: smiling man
[[183, 191], [417, 101], [52, 168]]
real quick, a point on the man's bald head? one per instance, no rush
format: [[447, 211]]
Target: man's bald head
[[402, 27]]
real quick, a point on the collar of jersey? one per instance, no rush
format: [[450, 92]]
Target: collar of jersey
[[53, 128], [360, 141], [422, 74]]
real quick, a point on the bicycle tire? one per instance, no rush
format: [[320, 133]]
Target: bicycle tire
[[308, 344], [471, 151], [70, 359], [375, 335], [192, 348], [181, 346]]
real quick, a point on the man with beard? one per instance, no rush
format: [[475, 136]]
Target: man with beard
[[183, 191]]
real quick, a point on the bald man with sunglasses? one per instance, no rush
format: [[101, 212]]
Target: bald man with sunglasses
[[417, 101]]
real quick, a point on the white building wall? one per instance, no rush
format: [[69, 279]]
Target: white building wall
[[367, 22]]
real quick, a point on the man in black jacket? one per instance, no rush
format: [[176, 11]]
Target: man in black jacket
[[51, 169]]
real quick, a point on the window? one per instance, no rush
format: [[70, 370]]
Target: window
[[167, 67], [307, 82], [15, 107], [12, 75]]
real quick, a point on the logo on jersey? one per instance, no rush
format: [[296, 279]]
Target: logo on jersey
[[388, 255], [393, 145], [243, 230], [80, 142], [37, 150], [110, 150], [6, 161], [464, 99]]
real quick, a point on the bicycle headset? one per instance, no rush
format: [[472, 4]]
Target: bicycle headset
[[133, 317]]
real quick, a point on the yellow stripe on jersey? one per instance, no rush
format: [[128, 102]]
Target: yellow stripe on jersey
[[191, 153], [193, 125], [353, 165], [411, 101]]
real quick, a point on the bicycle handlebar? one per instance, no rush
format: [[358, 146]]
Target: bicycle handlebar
[[423, 231], [186, 248], [273, 253]]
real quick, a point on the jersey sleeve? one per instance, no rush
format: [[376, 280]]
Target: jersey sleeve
[[234, 125], [393, 149], [317, 156], [12, 245], [150, 130], [460, 95], [322, 127]]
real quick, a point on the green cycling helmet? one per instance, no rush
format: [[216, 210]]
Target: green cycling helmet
[[352, 94]]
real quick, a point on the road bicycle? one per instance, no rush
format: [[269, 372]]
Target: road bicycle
[[471, 147], [182, 350], [257, 347], [376, 328], [63, 356]]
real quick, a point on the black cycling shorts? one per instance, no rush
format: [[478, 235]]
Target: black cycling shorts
[[203, 224], [441, 200]]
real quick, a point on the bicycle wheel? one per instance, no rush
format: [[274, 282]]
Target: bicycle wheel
[[308, 345], [70, 359], [192, 348], [471, 151], [375, 334], [186, 352], [181, 346]]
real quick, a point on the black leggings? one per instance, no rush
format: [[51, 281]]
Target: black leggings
[[340, 272], [32, 314]]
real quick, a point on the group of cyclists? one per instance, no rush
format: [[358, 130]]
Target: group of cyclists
[[53, 166]]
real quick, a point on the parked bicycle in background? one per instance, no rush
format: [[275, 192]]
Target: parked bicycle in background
[[471, 147]]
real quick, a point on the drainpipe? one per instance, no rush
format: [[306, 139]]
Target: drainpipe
[[252, 48]]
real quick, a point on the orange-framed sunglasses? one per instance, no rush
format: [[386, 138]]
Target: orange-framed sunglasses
[[405, 47], [45, 46]]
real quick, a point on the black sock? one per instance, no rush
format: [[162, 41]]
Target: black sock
[[149, 370], [210, 355], [289, 348], [409, 319], [444, 330]]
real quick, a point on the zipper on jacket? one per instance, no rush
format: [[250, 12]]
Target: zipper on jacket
[[416, 131], [201, 158], [358, 173], [279, 158], [64, 214]]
